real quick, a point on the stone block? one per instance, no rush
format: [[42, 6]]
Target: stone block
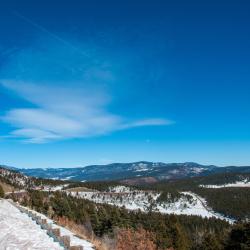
[[65, 240], [56, 232]]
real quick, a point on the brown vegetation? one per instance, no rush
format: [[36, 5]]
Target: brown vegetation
[[6, 187], [83, 232], [123, 238], [134, 240]]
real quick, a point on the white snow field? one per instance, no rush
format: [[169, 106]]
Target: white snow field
[[19, 232], [189, 203]]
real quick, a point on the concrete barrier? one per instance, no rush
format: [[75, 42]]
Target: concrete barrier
[[44, 221], [38, 220], [65, 241], [54, 233]]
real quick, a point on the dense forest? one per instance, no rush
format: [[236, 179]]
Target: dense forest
[[96, 185], [232, 202], [163, 231]]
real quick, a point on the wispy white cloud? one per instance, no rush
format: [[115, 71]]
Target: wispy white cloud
[[64, 115], [68, 94]]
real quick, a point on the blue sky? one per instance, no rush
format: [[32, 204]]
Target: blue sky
[[94, 82]]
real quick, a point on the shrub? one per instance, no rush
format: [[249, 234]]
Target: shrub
[[1, 192]]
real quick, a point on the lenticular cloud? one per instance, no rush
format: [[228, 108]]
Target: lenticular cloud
[[66, 94]]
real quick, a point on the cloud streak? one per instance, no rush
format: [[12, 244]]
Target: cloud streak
[[65, 93]]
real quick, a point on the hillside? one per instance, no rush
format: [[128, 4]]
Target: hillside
[[147, 201], [177, 213], [12, 180], [231, 200], [15, 178]]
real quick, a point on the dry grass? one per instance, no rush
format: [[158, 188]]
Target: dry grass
[[7, 187], [82, 232]]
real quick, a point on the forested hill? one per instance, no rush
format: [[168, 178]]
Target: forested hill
[[225, 193], [157, 171], [17, 180]]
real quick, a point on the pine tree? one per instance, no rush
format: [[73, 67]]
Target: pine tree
[[210, 243], [239, 238]]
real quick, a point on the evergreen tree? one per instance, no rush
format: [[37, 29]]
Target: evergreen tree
[[239, 238], [210, 243]]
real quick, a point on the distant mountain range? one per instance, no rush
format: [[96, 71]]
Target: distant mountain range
[[153, 171]]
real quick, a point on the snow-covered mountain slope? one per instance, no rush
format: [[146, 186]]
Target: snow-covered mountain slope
[[188, 203], [18, 181], [199, 207], [123, 196], [142, 169], [15, 178], [19, 232]]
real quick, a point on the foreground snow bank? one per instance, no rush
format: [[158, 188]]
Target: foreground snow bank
[[19, 232]]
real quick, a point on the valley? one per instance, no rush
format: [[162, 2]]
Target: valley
[[188, 203], [104, 212]]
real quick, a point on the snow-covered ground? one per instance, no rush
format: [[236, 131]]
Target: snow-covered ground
[[73, 239], [19, 232], [242, 183], [54, 188], [189, 203], [200, 207], [120, 189], [123, 197]]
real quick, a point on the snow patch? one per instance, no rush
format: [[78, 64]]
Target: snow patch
[[243, 183], [197, 170]]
